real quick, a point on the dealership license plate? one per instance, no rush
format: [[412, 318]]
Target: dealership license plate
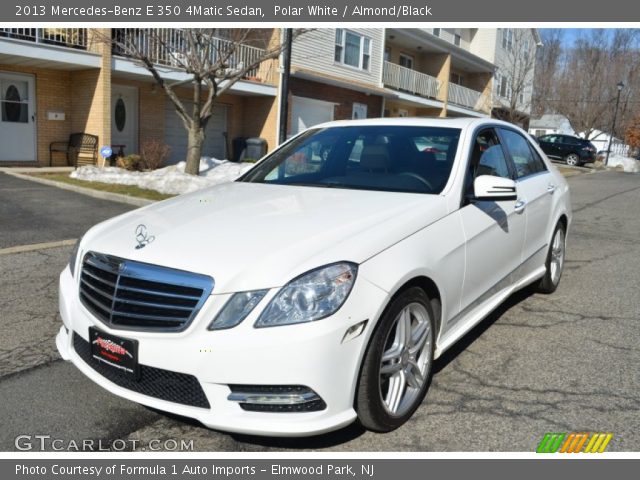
[[116, 352]]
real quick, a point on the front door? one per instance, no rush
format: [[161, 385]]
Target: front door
[[17, 118], [124, 118], [494, 230]]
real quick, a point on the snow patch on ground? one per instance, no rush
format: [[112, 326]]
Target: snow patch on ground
[[629, 164], [169, 180]]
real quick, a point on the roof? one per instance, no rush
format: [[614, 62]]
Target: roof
[[451, 122], [549, 120]]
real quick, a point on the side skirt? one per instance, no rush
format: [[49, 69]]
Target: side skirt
[[478, 310]]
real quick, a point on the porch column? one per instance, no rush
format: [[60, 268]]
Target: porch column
[[444, 76], [100, 113]]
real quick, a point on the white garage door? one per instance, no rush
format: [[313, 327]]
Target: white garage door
[[176, 136], [307, 112]]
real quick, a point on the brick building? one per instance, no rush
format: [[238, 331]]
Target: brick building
[[54, 82]]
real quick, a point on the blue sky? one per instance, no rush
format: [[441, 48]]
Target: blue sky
[[570, 34]]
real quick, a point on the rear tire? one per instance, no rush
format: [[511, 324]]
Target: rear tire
[[397, 366], [573, 159], [555, 261]]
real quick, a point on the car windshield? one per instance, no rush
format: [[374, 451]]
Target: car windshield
[[374, 157]]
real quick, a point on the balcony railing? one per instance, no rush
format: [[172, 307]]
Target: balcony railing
[[169, 47], [408, 80], [465, 97], [64, 37]]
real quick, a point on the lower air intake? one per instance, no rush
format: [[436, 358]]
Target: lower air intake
[[154, 382]]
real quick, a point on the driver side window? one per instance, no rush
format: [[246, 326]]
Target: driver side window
[[487, 158]]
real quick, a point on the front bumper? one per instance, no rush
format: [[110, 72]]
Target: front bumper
[[312, 354]]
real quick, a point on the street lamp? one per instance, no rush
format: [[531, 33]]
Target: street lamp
[[620, 86]]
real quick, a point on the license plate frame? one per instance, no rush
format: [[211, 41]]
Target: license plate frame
[[116, 352]]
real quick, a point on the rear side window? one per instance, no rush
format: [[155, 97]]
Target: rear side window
[[524, 157]]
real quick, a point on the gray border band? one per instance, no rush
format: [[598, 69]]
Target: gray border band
[[359, 469], [380, 11]]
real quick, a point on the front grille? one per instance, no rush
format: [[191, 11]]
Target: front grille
[[138, 296], [154, 382]]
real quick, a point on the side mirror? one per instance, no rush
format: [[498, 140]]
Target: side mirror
[[490, 187]]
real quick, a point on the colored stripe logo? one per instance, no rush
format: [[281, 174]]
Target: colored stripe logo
[[574, 442]]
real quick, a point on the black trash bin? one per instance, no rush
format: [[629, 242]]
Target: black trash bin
[[239, 146], [256, 149]]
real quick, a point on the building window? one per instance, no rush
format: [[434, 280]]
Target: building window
[[387, 54], [15, 108], [366, 53], [507, 38], [352, 49], [456, 40], [406, 61], [503, 86], [436, 32], [456, 78], [539, 133], [359, 111], [120, 115]]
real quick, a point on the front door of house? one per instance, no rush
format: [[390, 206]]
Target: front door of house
[[124, 118], [17, 117]]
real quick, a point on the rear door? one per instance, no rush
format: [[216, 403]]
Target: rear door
[[535, 186]]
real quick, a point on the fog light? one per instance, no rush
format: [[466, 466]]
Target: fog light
[[354, 331], [276, 398]]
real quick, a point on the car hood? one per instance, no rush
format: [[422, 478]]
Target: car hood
[[251, 236]]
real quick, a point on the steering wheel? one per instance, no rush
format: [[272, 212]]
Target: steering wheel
[[418, 177]]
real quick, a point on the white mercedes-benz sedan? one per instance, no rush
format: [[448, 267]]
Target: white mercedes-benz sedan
[[318, 288]]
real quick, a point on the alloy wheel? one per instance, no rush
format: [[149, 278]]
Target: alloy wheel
[[572, 159], [405, 363], [557, 255]]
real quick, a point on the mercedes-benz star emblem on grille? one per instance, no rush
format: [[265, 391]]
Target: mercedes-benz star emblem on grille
[[142, 236]]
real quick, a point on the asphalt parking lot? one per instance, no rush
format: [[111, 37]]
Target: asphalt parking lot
[[559, 363]]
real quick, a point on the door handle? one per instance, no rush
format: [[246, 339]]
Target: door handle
[[551, 188], [519, 206]]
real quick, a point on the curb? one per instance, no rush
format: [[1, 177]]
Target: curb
[[114, 197]]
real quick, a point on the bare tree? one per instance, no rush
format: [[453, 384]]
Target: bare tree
[[516, 73], [213, 60], [547, 64], [583, 83]]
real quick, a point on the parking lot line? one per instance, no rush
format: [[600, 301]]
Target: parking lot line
[[37, 246]]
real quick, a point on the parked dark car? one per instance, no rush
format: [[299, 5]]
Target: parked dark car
[[573, 150]]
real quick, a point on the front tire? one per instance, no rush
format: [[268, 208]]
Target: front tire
[[555, 261], [397, 366]]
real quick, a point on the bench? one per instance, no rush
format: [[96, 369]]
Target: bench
[[78, 144]]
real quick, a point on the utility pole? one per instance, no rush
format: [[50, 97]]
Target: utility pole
[[284, 85], [620, 86]]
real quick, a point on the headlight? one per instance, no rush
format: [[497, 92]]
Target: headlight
[[236, 309], [73, 257], [312, 296]]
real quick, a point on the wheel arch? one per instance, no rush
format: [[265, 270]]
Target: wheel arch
[[429, 286]]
